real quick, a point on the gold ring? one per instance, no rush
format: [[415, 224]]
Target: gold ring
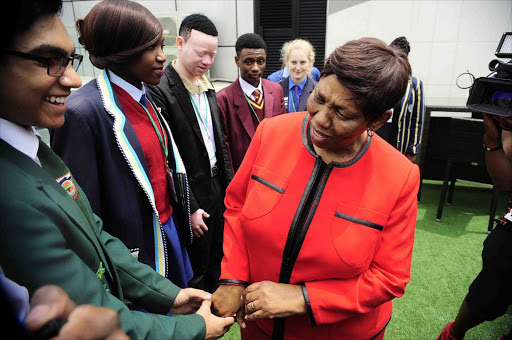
[[252, 306]]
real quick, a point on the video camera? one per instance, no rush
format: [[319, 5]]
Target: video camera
[[493, 94]]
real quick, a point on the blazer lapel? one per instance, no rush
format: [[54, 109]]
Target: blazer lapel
[[243, 109], [308, 88], [214, 110], [72, 210], [44, 182], [61, 198]]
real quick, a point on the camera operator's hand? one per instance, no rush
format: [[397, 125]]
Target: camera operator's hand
[[498, 132], [492, 131]]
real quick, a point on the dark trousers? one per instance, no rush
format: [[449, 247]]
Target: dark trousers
[[490, 293], [206, 253]]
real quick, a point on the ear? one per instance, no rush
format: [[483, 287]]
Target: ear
[[179, 42], [237, 61], [379, 121]]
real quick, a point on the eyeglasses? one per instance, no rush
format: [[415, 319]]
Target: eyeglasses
[[56, 66]]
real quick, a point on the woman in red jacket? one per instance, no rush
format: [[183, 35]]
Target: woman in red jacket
[[320, 217]]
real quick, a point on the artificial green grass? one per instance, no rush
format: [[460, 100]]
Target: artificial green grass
[[446, 259]]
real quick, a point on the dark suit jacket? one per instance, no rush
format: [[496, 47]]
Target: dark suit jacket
[[173, 99], [47, 239], [303, 103], [236, 117]]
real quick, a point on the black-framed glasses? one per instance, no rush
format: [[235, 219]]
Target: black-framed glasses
[[56, 66]]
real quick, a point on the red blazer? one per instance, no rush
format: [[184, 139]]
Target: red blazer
[[351, 253], [235, 115]]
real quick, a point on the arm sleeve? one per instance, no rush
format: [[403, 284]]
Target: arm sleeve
[[139, 283], [221, 102], [235, 263], [48, 239], [334, 300], [416, 119], [226, 154]]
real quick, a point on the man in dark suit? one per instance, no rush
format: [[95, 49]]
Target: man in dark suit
[[249, 99], [187, 101], [49, 233]]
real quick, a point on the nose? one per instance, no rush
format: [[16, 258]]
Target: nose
[[70, 78], [255, 68], [322, 117], [161, 56], [208, 60]]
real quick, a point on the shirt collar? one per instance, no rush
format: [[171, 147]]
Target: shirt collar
[[286, 72], [248, 88], [301, 85], [25, 140], [203, 86], [134, 92]]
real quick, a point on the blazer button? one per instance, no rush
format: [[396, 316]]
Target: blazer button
[[205, 154]]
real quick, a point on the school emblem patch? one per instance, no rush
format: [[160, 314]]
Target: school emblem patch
[[67, 182]]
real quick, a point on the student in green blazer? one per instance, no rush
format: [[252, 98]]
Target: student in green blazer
[[49, 234]]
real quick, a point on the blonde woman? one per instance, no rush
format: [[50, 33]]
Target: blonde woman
[[284, 72], [297, 87]]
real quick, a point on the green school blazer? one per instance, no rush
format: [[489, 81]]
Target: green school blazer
[[45, 238]]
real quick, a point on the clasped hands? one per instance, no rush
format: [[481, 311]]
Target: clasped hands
[[191, 300], [261, 300]]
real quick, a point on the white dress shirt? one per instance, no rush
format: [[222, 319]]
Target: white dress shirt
[[23, 139]]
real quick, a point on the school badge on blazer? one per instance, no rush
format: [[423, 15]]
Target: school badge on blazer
[[67, 182]]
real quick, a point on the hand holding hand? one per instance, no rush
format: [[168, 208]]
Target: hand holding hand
[[189, 300], [198, 225], [227, 301], [216, 326], [268, 299]]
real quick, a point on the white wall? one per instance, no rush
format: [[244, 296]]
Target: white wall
[[447, 37], [231, 17]]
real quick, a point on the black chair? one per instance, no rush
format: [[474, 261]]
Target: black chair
[[465, 151]]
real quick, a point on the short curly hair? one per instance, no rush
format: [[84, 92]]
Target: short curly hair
[[249, 40], [199, 23]]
